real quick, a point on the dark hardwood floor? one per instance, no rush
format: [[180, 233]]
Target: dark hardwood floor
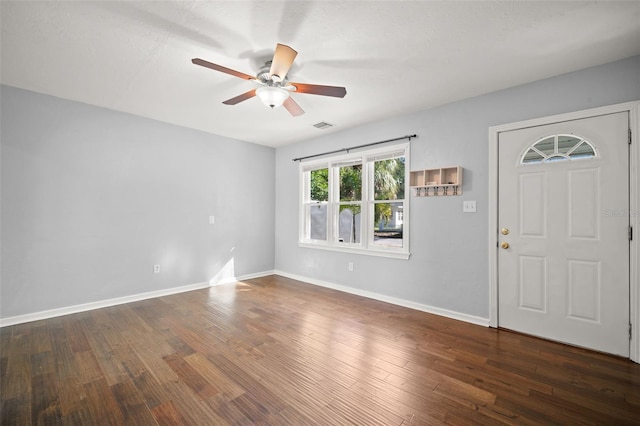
[[276, 351]]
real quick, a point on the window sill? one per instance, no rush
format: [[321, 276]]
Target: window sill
[[357, 250]]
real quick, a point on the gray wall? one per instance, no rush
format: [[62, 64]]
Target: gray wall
[[448, 268], [93, 198]]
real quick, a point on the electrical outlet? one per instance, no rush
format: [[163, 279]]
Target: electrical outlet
[[156, 269], [350, 266]]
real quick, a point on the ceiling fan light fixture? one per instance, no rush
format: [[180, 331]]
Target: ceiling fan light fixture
[[272, 96], [272, 76]]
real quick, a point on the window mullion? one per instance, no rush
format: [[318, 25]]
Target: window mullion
[[334, 203], [367, 196]]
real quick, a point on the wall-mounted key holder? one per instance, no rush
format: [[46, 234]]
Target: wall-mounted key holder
[[437, 182]]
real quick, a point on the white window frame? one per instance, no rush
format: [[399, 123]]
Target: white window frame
[[366, 245]]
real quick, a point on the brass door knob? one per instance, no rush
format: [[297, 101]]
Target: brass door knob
[[504, 231], [504, 245]]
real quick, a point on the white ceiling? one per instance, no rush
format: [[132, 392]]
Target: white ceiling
[[394, 57]]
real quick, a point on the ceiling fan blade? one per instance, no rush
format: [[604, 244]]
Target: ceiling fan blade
[[315, 89], [220, 68], [282, 61], [293, 107], [247, 95]]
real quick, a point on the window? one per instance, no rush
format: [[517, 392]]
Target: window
[[356, 202], [558, 148]]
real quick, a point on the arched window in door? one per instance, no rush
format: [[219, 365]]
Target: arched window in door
[[558, 148]]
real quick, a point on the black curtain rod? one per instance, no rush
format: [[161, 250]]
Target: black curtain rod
[[355, 147]]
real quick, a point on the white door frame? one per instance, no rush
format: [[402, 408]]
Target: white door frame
[[634, 205]]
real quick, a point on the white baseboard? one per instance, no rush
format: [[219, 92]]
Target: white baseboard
[[36, 316], [395, 301]]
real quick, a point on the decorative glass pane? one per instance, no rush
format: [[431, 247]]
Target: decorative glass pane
[[546, 146], [566, 142], [558, 148], [349, 223], [319, 185], [584, 150], [351, 182], [532, 157], [388, 224], [388, 179]]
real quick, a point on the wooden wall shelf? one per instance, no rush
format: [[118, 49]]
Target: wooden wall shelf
[[436, 182]]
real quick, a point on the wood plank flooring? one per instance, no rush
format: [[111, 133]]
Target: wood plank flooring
[[276, 351]]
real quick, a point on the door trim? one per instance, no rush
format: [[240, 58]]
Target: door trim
[[634, 205]]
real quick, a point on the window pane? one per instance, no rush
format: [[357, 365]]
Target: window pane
[[532, 157], [584, 150], [317, 222], [566, 142], [387, 227], [349, 224], [351, 183], [388, 179], [319, 185], [546, 146]]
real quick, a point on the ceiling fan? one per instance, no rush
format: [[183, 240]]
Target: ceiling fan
[[275, 87]]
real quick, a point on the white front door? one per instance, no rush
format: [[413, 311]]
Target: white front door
[[563, 211]]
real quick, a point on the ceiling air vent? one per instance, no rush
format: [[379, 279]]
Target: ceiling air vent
[[323, 125]]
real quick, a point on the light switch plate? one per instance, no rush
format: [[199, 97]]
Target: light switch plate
[[469, 206]]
